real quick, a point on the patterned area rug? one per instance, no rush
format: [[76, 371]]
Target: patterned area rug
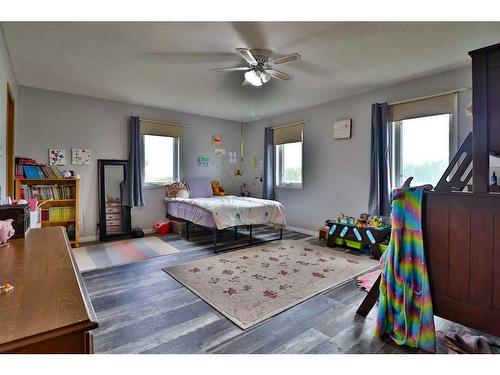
[[109, 254], [251, 285]]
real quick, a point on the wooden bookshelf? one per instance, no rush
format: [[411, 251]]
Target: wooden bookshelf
[[73, 202]]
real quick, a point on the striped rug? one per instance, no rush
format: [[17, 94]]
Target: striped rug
[[109, 254]]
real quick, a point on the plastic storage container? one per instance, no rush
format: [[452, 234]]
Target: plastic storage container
[[162, 226]]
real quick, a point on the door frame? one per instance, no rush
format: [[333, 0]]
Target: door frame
[[10, 141]]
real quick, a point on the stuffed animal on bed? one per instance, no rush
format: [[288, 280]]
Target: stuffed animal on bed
[[176, 190], [217, 189]]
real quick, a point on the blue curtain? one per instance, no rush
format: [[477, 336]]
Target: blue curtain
[[268, 180], [135, 197], [379, 199]]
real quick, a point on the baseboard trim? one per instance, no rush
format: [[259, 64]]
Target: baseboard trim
[[89, 239], [96, 238], [302, 230]]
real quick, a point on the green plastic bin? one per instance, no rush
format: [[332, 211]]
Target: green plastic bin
[[339, 241], [354, 244]]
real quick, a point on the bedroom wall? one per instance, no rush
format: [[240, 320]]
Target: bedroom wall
[[6, 76], [49, 119], [337, 173]]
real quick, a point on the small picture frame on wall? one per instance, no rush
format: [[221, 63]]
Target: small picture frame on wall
[[80, 155], [219, 153], [57, 156], [217, 140], [342, 129]]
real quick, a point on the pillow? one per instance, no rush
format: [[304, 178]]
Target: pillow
[[200, 187], [176, 190]]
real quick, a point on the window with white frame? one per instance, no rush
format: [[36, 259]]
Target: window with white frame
[[422, 140], [288, 146], [161, 153], [161, 159]]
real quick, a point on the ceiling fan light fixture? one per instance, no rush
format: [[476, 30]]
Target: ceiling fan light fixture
[[253, 77], [265, 76], [260, 68]]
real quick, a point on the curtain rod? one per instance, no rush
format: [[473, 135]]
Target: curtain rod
[[429, 96], [163, 122], [292, 124]]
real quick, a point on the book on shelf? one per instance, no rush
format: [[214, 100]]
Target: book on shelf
[[31, 169], [58, 213], [45, 192], [21, 160]]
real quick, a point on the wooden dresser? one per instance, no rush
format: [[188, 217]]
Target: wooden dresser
[[49, 310]]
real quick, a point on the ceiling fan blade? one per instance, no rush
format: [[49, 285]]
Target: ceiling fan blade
[[286, 59], [247, 55], [279, 75], [214, 58], [238, 68]]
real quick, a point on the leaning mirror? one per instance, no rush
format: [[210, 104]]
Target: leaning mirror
[[114, 213]]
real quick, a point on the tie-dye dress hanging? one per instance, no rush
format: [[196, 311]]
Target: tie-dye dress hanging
[[405, 305]]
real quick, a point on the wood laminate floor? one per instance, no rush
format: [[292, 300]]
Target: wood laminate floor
[[141, 309]]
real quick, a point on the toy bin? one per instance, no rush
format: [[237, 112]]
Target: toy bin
[[354, 244], [162, 226], [339, 241]]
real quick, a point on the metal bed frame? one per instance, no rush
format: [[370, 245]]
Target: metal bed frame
[[216, 234]]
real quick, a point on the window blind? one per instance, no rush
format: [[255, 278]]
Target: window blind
[[424, 107], [289, 133], [161, 128]]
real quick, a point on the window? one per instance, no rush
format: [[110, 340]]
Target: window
[[288, 156], [289, 164], [422, 139], [161, 156], [161, 159], [421, 149]]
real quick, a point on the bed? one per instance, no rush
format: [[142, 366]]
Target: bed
[[218, 213]]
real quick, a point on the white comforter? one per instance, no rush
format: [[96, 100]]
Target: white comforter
[[231, 210]]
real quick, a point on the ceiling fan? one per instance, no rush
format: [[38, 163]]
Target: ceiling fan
[[260, 67]]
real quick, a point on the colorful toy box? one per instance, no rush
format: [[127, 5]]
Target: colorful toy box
[[365, 233]]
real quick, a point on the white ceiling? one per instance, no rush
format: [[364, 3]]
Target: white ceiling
[[168, 64]]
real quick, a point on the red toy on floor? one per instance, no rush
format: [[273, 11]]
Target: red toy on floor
[[162, 226]]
